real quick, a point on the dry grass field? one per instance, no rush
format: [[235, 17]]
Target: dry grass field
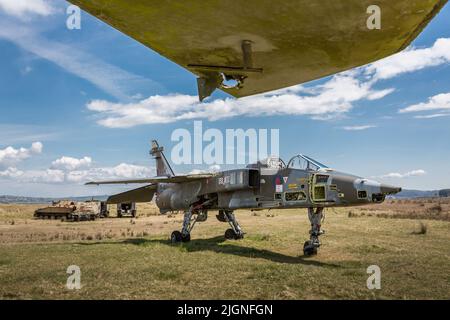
[[427, 208], [133, 259]]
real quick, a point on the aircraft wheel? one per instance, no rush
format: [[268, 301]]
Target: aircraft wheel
[[176, 237], [221, 217], [186, 238], [309, 249], [231, 235]]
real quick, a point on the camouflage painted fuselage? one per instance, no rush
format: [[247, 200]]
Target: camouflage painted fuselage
[[265, 188]]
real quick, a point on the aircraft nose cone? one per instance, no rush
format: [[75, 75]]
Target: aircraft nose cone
[[387, 189]]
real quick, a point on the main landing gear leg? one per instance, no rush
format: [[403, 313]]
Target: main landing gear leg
[[188, 225], [315, 217], [235, 232], [200, 210]]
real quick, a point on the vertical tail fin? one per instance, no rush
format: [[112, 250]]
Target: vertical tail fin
[[163, 168]]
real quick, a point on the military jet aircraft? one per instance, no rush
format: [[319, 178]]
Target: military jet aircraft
[[270, 184], [254, 46]]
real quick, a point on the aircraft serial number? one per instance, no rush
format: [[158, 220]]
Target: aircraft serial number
[[226, 310], [251, 309]]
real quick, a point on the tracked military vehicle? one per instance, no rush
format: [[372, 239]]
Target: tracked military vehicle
[[67, 210]]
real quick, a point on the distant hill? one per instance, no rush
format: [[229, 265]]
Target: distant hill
[[444, 193], [33, 200], [408, 194]]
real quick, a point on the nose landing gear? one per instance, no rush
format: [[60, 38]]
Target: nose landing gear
[[177, 236], [315, 217]]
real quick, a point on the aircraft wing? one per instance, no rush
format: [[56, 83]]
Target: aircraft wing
[[267, 44], [144, 194], [176, 179]]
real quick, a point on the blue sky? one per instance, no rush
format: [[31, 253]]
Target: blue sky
[[92, 100]]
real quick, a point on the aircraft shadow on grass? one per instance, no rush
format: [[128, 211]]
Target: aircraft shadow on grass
[[217, 245]]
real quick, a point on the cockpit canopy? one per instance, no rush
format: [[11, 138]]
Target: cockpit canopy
[[305, 163], [300, 161]]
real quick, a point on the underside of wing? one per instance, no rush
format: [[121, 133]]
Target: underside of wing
[[176, 179], [141, 195], [263, 44]]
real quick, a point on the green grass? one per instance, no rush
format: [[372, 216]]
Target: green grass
[[267, 264]]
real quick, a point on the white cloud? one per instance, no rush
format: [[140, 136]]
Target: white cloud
[[413, 173], [11, 173], [438, 102], [45, 176], [358, 128], [64, 176], [330, 99], [411, 60], [212, 169], [10, 155], [121, 171], [36, 147], [19, 8], [433, 116], [70, 164], [65, 170]]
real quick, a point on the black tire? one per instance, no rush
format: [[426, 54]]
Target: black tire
[[221, 217], [309, 250], [186, 238], [231, 235], [176, 237]]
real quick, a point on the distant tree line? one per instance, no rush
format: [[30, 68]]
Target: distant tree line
[[444, 193]]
